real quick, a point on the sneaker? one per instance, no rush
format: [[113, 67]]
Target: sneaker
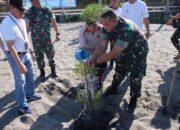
[[25, 110], [34, 98]]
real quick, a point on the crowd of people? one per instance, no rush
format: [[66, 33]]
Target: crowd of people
[[125, 30]]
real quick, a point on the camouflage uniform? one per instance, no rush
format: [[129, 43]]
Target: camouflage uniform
[[133, 59], [40, 23]]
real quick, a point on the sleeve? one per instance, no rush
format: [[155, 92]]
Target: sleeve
[[120, 43], [82, 40], [52, 16], [145, 13], [7, 32], [104, 36]]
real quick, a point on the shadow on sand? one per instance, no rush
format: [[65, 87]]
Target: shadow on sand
[[161, 121]]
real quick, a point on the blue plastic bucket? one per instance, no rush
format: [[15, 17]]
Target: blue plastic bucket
[[81, 55]]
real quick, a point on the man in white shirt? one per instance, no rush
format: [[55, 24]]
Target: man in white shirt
[[136, 10], [19, 55]]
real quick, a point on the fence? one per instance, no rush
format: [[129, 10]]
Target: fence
[[158, 14]]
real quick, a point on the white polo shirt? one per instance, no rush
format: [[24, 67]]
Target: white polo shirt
[[135, 12], [10, 32], [118, 12]]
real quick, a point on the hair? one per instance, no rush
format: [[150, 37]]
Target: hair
[[108, 14], [90, 23]]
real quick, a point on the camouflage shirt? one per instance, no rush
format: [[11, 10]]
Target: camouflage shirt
[[128, 36], [40, 23]]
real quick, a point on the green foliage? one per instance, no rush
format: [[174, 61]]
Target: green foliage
[[98, 99], [84, 71], [83, 99], [81, 68], [91, 13]]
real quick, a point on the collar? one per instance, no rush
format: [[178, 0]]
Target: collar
[[34, 8], [134, 2], [113, 8], [120, 25]]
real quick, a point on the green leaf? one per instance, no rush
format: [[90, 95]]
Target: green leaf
[[91, 13]]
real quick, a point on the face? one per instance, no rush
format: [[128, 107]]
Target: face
[[35, 3], [115, 3], [132, 1], [109, 25], [92, 28], [19, 14]]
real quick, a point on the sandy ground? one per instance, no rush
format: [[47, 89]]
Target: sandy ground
[[58, 108]]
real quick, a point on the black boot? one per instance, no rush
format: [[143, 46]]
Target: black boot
[[42, 75], [53, 72], [132, 104]]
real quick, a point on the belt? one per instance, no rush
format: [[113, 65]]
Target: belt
[[19, 53]]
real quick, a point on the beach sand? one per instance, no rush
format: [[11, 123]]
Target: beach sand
[[58, 108]]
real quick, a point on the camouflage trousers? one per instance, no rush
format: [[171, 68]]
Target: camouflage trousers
[[133, 64], [175, 37], [47, 49]]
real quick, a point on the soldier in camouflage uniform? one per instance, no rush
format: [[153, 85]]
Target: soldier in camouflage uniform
[[38, 20], [130, 51]]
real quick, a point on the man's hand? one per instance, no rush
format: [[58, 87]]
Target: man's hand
[[169, 22], [147, 34], [22, 68], [57, 38], [90, 62]]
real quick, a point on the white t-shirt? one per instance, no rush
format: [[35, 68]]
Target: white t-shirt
[[135, 12], [10, 32], [88, 40], [118, 11]]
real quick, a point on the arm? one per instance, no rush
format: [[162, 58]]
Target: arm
[[100, 49], [30, 49], [145, 15], [176, 17], [32, 54], [111, 55], [27, 26], [54, 24], [170, 21], [27, 20], [146, 23], [21, 66], [82, 40]]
